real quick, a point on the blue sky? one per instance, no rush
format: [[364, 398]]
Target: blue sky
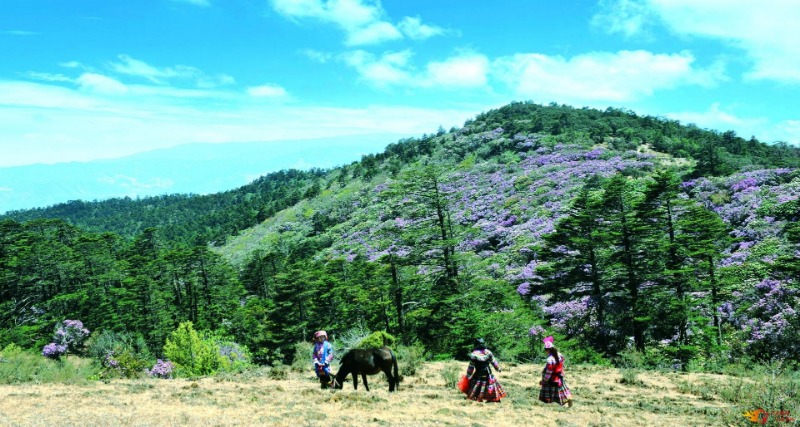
[[89, 79]]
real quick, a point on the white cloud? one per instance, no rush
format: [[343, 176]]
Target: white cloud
[[266, 91], [48, 77], [599, 76], [765, 30], [375, 33], [721, 118], [464, 71], [363, 21], [389, 69], [100, 84], [787, 131], [317, 56], [631, 18], [137, 68], [59, 124], [395, 69], [415, 29], [714, 118], [71, 64]]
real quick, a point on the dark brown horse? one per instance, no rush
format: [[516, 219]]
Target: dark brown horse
[[367, 362]]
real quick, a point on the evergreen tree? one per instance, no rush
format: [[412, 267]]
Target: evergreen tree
[[573, 256], [626, 255], [703, 235]]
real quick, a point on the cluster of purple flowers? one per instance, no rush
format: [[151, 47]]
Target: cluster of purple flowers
[[54, 351], [111, 363], [536, 331], [68, 336], [162, 369], [568, 316]]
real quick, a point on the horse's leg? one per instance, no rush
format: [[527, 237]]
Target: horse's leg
[[355, 381], [366, 386], [387, 370]]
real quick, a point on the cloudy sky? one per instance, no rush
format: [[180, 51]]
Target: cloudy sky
[[89, 79]]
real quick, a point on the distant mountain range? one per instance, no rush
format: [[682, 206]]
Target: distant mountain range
[[189, 168]]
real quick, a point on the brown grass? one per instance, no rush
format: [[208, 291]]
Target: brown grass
[[601, 399]]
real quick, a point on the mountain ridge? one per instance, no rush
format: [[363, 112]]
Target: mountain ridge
[[197, 168]]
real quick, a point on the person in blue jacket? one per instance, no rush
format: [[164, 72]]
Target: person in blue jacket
[[323, 356]]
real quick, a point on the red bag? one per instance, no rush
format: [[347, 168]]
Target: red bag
[[463, 384]]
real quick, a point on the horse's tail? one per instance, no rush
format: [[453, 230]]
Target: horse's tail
[[396, 376]]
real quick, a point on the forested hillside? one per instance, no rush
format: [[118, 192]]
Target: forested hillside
[[610, 230], [182, 218]]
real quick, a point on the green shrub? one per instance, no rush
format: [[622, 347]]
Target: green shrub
[[301, 359], [129, 365], [409, 359], [232, 356], [191, 354], [120, 354], [19, 366], [451, 374], [650, 359], [773, 388], [349, 339], [377, 340]]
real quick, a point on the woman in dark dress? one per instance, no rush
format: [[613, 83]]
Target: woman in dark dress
[[483, 385]]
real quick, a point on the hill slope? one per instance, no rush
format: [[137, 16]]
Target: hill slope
[[605, 229]]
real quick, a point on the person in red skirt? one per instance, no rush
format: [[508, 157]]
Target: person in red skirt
[[483, 385], [554, 386]]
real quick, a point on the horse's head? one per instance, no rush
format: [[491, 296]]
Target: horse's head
[[336, 384]]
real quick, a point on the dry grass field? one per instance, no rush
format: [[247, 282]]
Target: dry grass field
[[602, 398]]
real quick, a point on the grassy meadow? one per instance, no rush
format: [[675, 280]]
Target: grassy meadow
[[283, 396]]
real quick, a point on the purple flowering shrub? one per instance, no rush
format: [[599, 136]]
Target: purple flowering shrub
[[745, 201], [161, 369], [68, 337], [537, 332], [54, 351], [767, 318]]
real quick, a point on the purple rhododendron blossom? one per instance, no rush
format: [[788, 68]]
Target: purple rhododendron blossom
[[536, 331], [54, 351], [162, 369]]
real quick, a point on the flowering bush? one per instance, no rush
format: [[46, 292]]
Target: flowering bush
[[68, 336], [536, 331], [162, 369], [72, 334], [54, 351]]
